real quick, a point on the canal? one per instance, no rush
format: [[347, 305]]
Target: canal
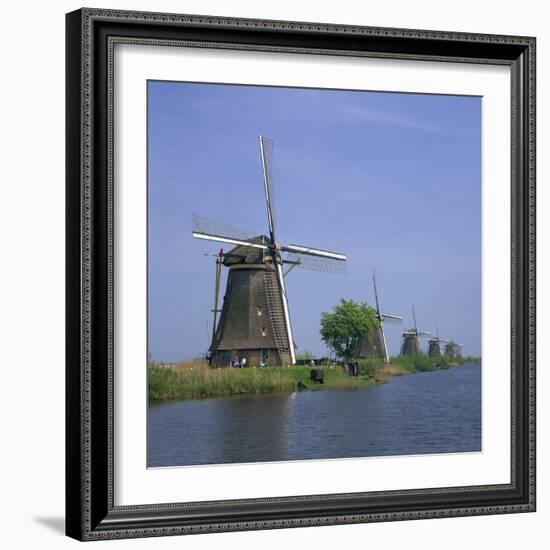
[[430, 412]]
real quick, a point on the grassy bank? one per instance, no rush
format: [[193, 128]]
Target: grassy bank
[[189, 383], [422, 363], [195, 380]]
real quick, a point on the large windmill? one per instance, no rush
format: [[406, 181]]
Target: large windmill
[[375, 345], [410, 344], [254, 319]]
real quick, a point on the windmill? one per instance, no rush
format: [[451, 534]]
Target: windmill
[[375, 345], [434, 345], [410, 344], [452, 350], [254, 318]]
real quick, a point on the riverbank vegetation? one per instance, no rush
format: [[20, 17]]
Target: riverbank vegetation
[[201, 382], [423, 363], [194, 379]]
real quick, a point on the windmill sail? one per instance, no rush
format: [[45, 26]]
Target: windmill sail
[[392, 319], [206, 226], [286, 347], [278, 313], [380, 321], [316, 263], [315, 252], [266, 153], [210, 230]]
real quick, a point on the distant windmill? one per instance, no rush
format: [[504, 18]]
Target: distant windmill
[[375, 345], [434, 345], [410, 344], [452, 350], [254, 319]]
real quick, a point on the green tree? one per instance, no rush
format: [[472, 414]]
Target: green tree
[[348, 324]]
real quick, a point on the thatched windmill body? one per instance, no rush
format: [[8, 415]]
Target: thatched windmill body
[[254, 319], [410, 343], [376, 345]]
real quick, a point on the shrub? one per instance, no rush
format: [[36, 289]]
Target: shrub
[[368, 367]]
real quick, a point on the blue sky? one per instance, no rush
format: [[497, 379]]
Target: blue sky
[[392, 180]]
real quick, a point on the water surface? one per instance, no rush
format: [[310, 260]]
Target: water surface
[[431, 412]]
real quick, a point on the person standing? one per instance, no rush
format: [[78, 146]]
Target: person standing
[[243, 362]]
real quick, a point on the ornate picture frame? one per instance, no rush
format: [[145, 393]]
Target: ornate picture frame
[[91, 511]]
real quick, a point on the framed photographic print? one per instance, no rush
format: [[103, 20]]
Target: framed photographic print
[[300, 274]]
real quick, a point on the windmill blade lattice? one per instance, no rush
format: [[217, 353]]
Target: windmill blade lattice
[[316, 263], [392, 319], [210, 227], [266, 150]]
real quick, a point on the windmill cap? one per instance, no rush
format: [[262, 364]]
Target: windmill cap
[[246, 254]]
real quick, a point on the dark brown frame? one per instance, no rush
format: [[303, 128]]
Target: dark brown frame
[[91, 36]]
